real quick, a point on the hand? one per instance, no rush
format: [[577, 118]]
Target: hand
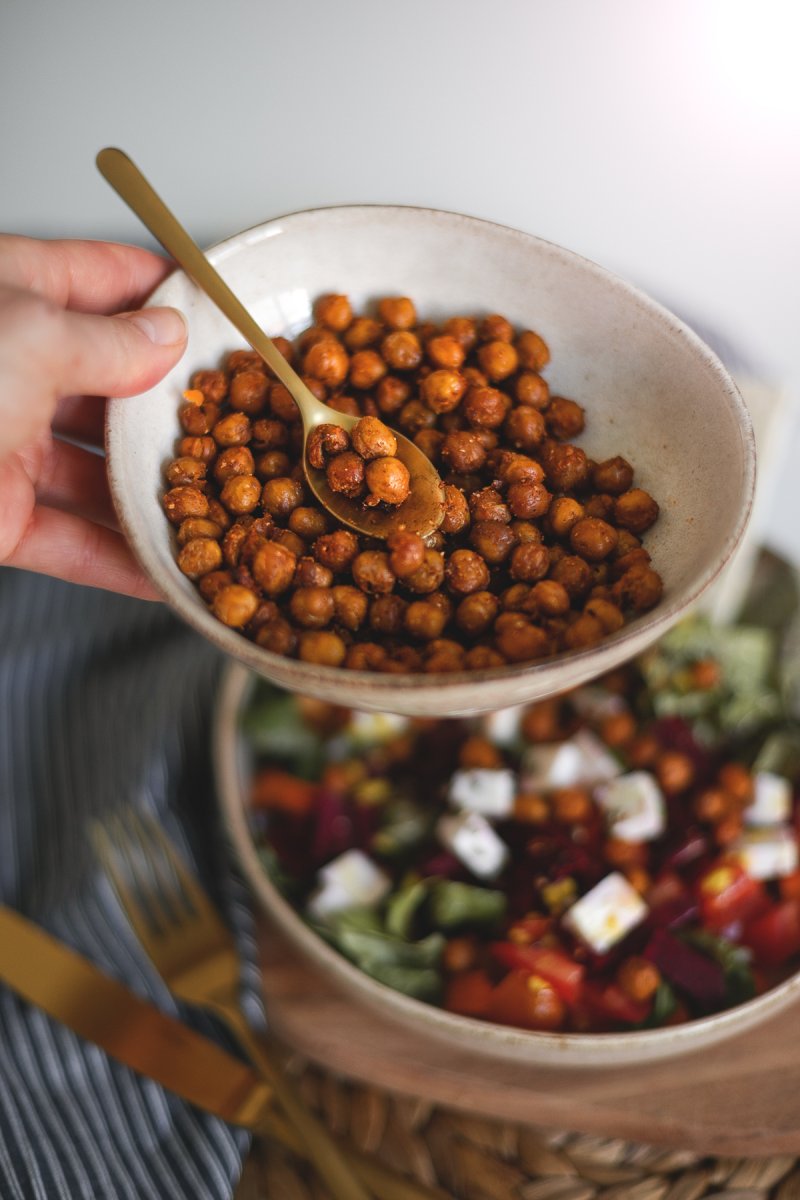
[[58, 353]]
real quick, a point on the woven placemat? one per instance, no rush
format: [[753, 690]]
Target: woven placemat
[[471, 1158]]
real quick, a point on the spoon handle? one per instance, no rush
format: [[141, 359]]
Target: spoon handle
[[128, 182]]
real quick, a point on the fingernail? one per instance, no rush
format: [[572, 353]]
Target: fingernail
[[163, 326]]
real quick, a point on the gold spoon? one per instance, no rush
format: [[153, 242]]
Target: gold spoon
[[423, 510]]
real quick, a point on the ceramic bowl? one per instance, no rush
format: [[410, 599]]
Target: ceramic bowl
[[233, 772], [653, 392]]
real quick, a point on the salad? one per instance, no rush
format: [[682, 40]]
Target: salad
[[624, 856]]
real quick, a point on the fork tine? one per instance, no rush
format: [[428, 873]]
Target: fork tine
[[196, 893], [143, 834], [110, 851]]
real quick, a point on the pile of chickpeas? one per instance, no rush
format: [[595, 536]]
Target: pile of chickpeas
[[362, 467], [540, 548]]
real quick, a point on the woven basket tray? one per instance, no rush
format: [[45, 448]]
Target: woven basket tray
[[471, 1158]]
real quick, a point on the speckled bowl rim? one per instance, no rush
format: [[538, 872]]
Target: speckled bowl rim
[[308, 677], [486, 1038]]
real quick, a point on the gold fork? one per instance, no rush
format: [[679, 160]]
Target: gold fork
[[195, 954]]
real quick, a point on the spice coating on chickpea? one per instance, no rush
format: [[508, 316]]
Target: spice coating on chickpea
[[540, 547]]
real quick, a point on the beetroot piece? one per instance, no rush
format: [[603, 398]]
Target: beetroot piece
[[699, 977], [333, 830], [445, 865]]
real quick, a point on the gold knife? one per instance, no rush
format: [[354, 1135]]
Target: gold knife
[[133, 1031]]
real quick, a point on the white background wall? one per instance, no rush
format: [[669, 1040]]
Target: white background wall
[[660, 140]]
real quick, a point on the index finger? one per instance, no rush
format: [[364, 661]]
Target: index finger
[[85, 276]]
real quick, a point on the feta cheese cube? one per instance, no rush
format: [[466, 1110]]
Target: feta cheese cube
[[772, 800], [634, 805], [767, 853], [470, 837], [487, 791], [350, 881], [581, 761], [606, 914], [502, 727]]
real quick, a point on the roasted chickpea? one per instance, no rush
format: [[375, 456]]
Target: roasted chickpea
[[372, 572], [445, 351], [327, 361], [391, 394], [366, 656], [185, 472], [406, 552], [533, 351], [566, 466], [530, 562], [511, 467], [236, 460], [528, 500], [273, 568], [282, 404], [464, 330], [586, 630], [442, 390], [203, 448], [311, 574], [280, 496], [416, 416], [463, 452], [430, 442], [198, 419], [334, 312], [336, 550], [495, 328], [363, 332], [456, 510], [346, 474], [312, 607], [244, 360], [233, 430], [674, 771], [486, 407], [234, 605], [388, 481], [525, 531], [428, 577], [366, 368], [185, 501], [198, 527], [574, 574], [277, 636], [209, 585], [614, 476], [466, 572], [498, 360], [609, 615], [325, 442], [550, 598], [241, 493], [401, 350], [249, 391], [213, 385], [372, 439], [592, 539], [199, 556], [635, 510], [308, 523], [272, 465], [489, 505], [398, 312], [524, 427], [640, 588], [321, 646], [572, 805], [350, 606], [493, 540], [345, 404], [476, 613], [602, 507], [518, 640], [564, 418], [532, 390], [424, 620], [386, 615]]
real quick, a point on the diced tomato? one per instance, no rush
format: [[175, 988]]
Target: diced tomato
[[562, 972], [775, 935], [279, 789], [727, 894], [790, 886], [469, 994], [610, 1004], [527, 1000]]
